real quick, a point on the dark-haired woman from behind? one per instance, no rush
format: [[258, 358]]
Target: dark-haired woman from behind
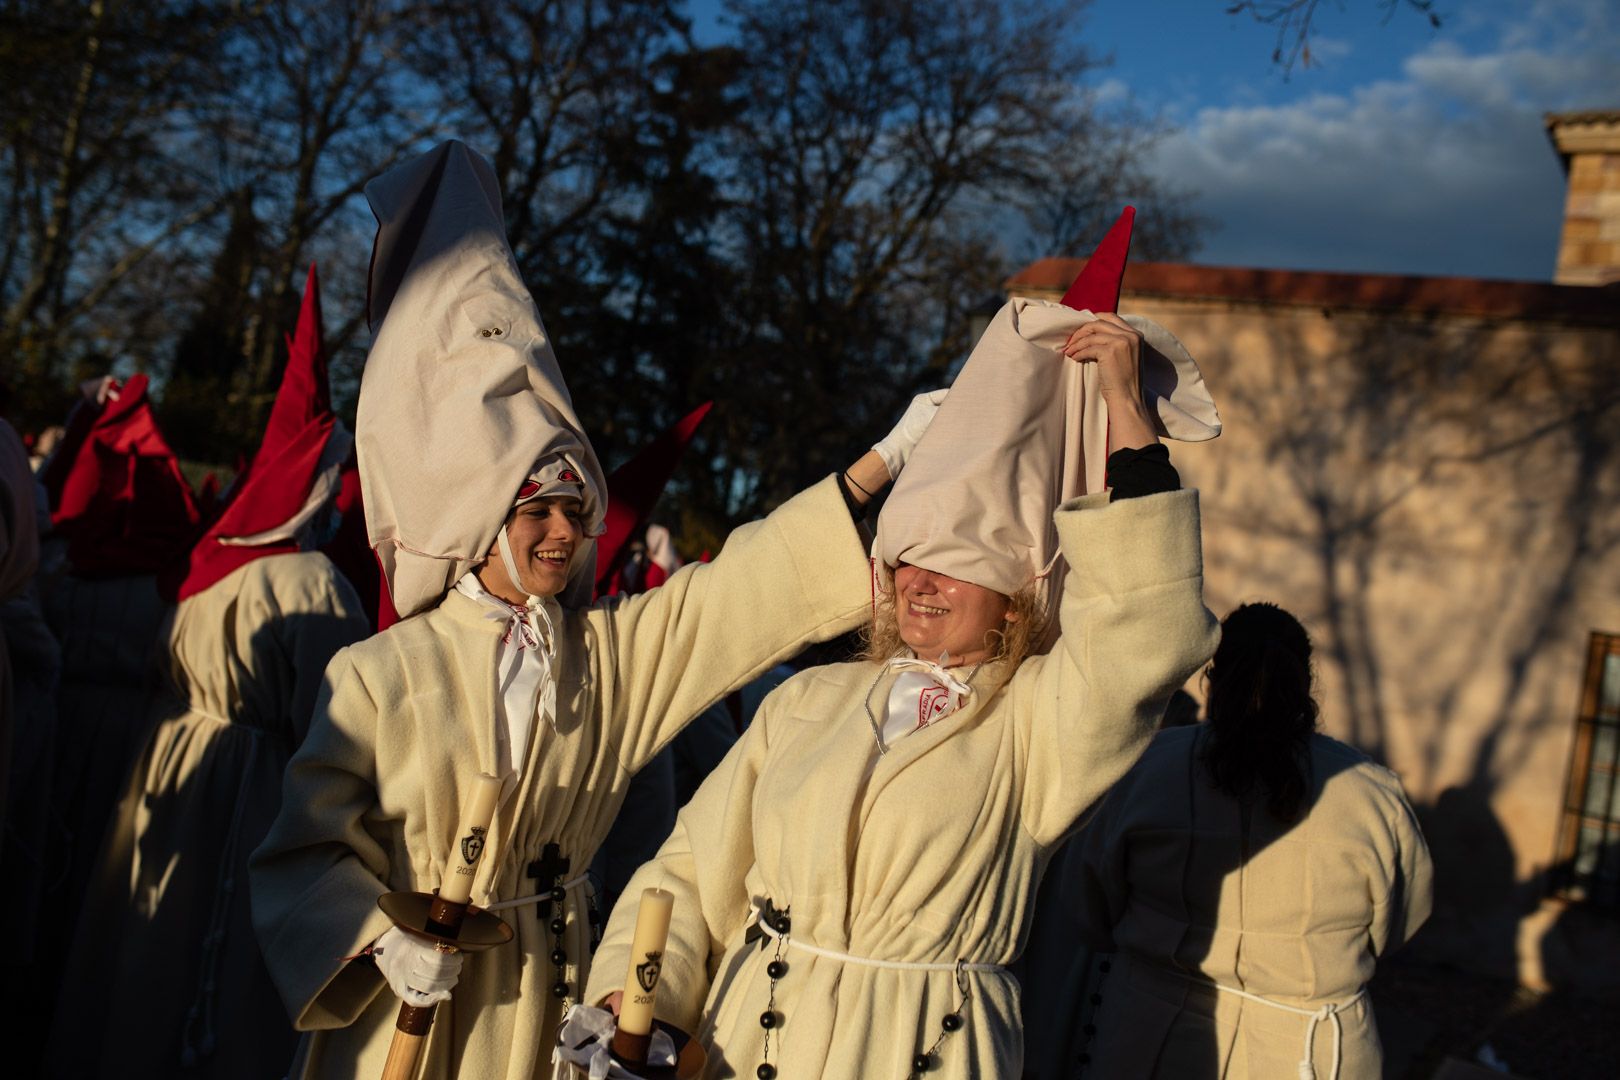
[[1249, 872]]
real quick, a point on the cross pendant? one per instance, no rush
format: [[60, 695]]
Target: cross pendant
[[550, 869]]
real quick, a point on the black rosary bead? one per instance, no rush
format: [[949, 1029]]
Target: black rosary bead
[[558, 957], [559, 894], [921, 1062], [766, 1071], [559, 990], [952, 1022], [558, 925], [767, 1019], [776, 969]]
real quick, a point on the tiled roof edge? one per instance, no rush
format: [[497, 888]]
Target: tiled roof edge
[[1408, 294]]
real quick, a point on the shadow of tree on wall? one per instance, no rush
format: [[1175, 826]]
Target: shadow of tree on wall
[[1372, 443], [1439, 499], [1436, 497]]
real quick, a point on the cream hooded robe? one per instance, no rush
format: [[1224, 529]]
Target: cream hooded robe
[[406, 721], [930, 853], [1192, 891], [165, 968], [461, 396]]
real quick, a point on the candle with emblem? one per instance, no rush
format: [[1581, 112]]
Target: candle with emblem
[[476, 814], [446, 912], [634, 1034]]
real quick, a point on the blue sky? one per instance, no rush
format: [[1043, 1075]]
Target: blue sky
[[1403, 149]]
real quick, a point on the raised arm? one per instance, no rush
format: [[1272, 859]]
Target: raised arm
[[880, 466], [1132, 617], [800, 575], [797, 576], [1134, 628]]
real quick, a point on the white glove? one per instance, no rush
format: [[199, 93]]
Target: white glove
[[417, 972], [897, 446]]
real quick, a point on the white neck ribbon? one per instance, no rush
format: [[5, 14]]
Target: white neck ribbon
[[923, 693]]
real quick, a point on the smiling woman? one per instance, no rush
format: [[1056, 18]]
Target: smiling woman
[[871, 936], [542, 535], [947, 619], [952, 621], [483, 501]]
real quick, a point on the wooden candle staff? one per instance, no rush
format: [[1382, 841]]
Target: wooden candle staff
[[634, 1035], [446, 919]]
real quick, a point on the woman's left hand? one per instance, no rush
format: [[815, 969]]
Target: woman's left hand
[[1116, 348]]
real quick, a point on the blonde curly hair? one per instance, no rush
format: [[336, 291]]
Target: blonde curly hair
[[1026, 620]]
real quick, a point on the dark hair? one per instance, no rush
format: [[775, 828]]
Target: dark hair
[[1261, 712]]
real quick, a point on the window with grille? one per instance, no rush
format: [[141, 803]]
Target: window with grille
[[1588, 865]]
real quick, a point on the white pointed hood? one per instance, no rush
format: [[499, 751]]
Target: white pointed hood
[[1023, 430], [462, 396]]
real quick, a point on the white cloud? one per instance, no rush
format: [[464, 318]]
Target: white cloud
[[1445, 169], [1327, 51], [1111, 91]]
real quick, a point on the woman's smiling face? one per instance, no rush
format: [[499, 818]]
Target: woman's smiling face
[[544, 534], [940, 614]]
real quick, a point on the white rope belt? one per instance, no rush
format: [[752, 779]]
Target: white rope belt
[[570, 885], [863, 961], [1307, 1070]]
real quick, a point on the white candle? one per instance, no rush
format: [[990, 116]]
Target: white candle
[[476, 815], [646, 962]]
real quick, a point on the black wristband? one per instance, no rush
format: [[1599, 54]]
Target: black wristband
[[857, 511]]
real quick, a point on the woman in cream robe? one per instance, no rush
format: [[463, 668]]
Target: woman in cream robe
[[1245, 940], [483, 499], [929, 853], [406, 722], [852, 882], [165, 969]]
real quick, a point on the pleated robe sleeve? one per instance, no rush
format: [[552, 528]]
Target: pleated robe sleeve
[[320, 840], [1134, 629], [709, 882], [797, 576]]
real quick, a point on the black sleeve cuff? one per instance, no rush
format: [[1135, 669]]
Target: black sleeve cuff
[[1134, 472]]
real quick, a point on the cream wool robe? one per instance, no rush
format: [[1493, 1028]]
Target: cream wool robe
[[1188, 887], [407, 720], [165, 969], [935, 858]]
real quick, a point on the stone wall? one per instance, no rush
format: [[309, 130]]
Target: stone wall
[[1438, 498]]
